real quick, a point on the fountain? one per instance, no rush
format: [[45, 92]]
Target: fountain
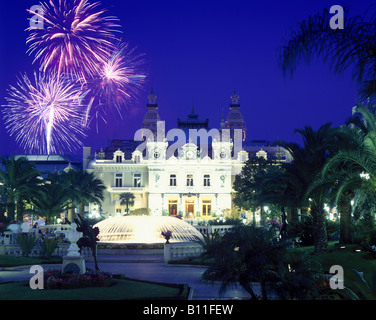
[[145, 229], [143, 234]]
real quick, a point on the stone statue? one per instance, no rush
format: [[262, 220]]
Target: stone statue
[[73, 236], [73, 261]]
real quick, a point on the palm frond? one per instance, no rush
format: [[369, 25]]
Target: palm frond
[[349, 182], [367, 90], [353, 47]]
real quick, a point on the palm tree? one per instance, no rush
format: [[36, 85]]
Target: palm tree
[[283, 185], [353, 167], [364, 209], [3, 204], [341, 185], [50, 200], [71, 181], [341, 180], [352, 47], [82, 188], [307, 163], [92, 190], [127, 199], [18, 180]]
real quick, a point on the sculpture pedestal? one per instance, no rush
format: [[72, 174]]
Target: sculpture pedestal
[[74, 264], [167, 252]]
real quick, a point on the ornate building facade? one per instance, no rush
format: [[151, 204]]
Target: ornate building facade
[[193, 180]]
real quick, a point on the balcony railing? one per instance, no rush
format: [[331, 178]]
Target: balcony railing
[[126, 189]]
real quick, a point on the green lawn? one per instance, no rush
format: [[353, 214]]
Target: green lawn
[[123, 289], [348, 257], [13, 261]]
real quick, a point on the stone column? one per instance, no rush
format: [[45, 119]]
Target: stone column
[[199, 205], [181, 205], [162, 195], [217, 211]]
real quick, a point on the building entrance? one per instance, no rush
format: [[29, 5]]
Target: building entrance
[[173, 207], [189, 208]]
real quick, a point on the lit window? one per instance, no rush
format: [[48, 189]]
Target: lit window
[[173, 180], [189, 180], [207, 180], [206, 207]]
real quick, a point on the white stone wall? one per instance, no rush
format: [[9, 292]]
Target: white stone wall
[[155, 191]]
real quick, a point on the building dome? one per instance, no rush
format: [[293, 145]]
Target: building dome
[[145, 229]]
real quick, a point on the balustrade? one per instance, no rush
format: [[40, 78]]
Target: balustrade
[[8, 243], [177, 251]]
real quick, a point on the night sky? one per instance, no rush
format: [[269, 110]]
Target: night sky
[[197, 52]]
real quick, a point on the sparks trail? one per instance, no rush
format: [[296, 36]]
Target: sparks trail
[[117, 82], [75, 38], [44, 114], [84, 73]]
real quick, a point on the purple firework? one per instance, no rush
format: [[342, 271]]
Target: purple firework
[[44, 115], [117, 82], [75, 37]]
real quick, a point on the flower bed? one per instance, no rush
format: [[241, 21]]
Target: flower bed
[[55, 279]]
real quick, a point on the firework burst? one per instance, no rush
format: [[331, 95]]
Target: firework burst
[[118, 81], [44, 115], [75, 38]]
